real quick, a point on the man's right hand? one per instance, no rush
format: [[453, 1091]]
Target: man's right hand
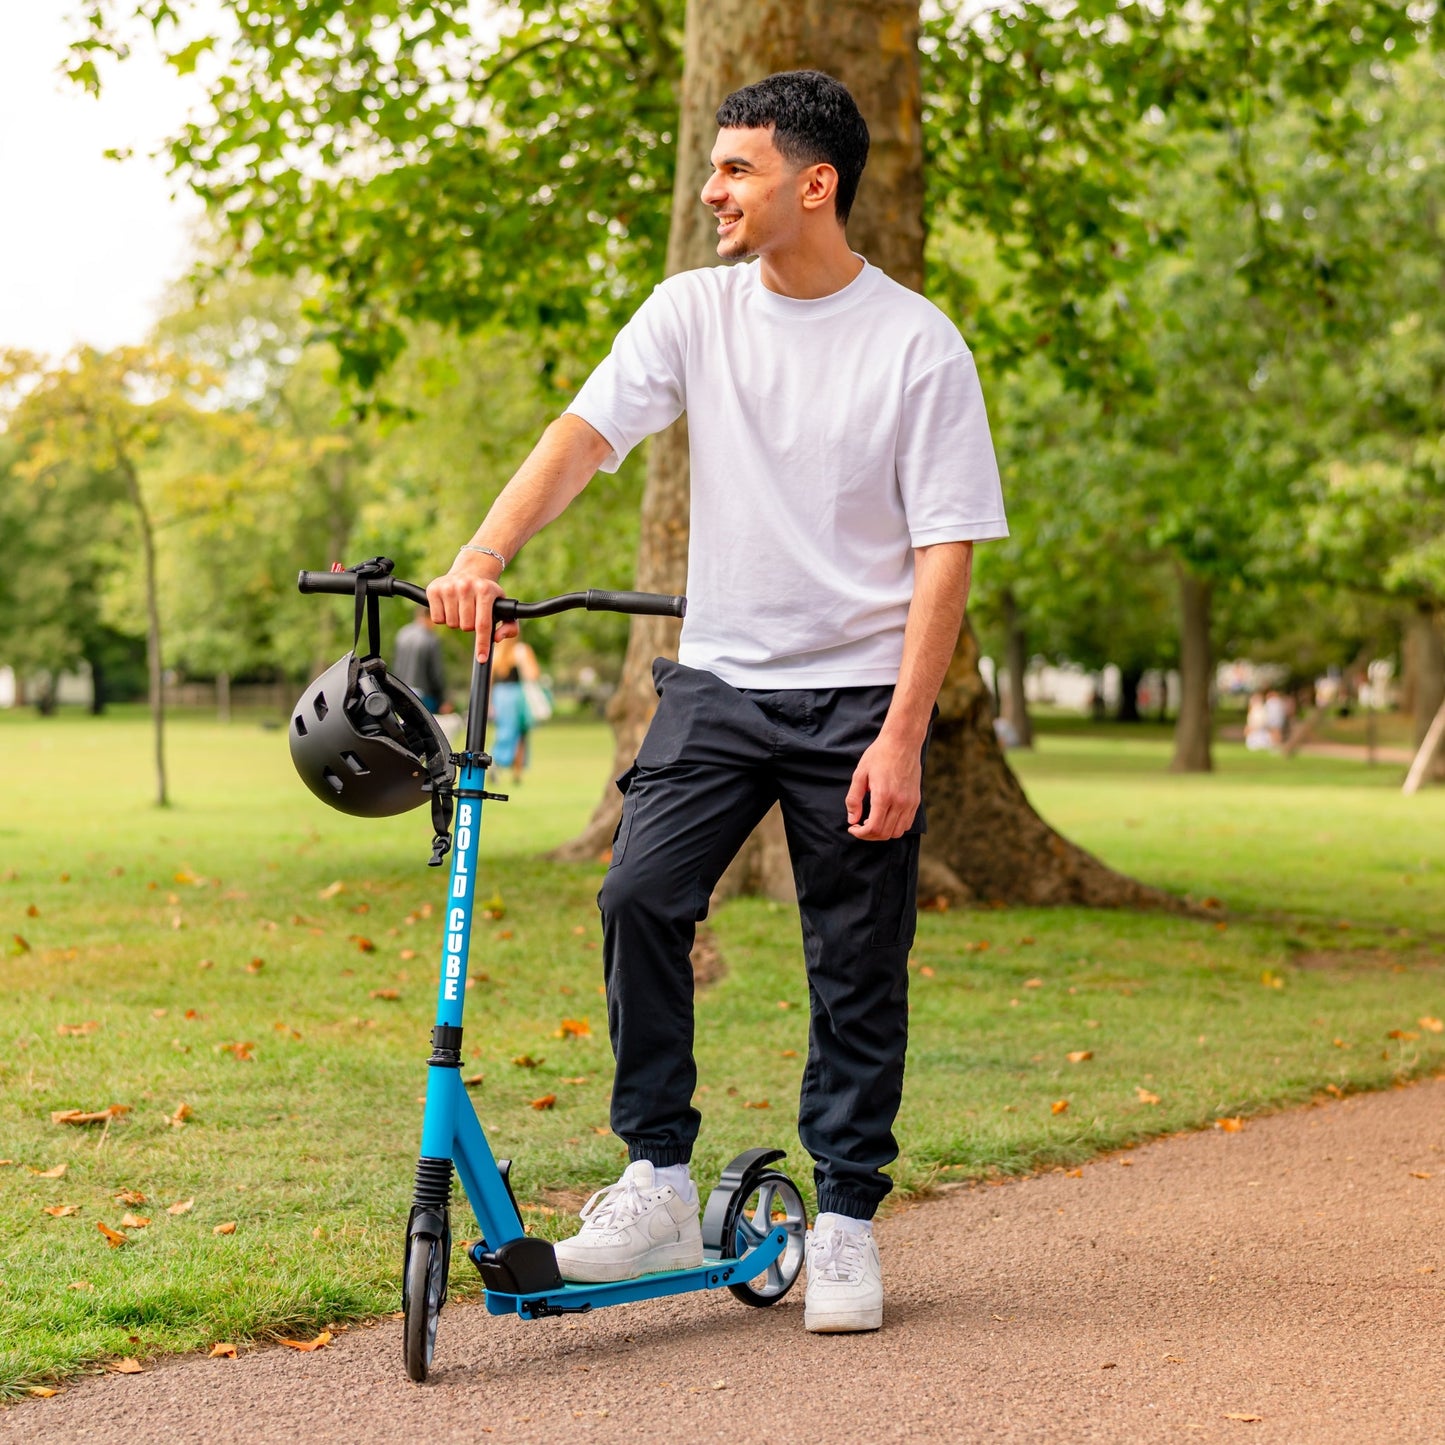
[[463, 599]]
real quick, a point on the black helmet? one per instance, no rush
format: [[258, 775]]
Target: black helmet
[[364, 742]]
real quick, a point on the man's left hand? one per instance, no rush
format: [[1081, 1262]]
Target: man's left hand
[[890, 776]]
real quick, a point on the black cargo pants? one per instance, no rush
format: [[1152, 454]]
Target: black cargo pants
[[713, 762]]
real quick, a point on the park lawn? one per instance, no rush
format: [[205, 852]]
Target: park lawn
[[302, 1073]]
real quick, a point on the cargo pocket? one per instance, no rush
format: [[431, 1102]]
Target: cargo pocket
[[895, 901], [624, 823]]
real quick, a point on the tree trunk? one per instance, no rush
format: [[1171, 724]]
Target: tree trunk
[[1193, 731], [223, 697], [1427, 657], [872, 46], [1129, 680], [153, 630], [985, 843], [1016, 662], [97, 685]]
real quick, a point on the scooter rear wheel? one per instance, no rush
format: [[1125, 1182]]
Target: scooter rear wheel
[[768, 1200], [423, 1291]]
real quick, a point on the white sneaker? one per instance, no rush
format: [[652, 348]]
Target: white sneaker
[[845, 1280], [636, 1226]]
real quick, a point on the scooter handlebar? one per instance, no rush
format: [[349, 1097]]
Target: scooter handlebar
[[505, 609]]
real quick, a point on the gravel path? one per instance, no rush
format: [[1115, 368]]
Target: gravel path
[[1293, 1272]]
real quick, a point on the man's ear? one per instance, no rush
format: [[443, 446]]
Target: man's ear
[[820, 186]]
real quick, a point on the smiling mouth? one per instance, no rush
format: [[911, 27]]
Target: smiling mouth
[[727, 222]]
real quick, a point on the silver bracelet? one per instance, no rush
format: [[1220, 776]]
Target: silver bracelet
[[486, 551]]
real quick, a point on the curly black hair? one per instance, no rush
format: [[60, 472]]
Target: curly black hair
[[814, 119]]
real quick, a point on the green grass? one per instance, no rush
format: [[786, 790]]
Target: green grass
[[1334, 931]]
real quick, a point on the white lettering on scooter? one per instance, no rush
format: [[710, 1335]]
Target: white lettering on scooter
[[464, 815], [451, 989], [464, 838]]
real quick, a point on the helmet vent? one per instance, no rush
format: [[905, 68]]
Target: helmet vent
[[300, 724], [321, 708], [355, 764], [332, 779]]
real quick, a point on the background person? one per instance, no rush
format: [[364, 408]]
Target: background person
[[513, 665], [841, 470], [418, 661]]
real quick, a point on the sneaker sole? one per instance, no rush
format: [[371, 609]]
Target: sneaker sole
[[843, 1322], [658, 1261]]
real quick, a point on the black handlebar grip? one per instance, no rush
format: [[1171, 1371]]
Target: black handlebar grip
[[646, 604], [344, 583]]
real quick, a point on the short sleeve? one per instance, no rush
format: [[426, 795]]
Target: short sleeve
[[640, 387], [947, 471]]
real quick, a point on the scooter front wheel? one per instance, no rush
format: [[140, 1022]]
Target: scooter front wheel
[[423, 1291]]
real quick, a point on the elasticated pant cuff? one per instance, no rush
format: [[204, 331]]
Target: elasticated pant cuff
[[855, 1206], [661, 1155]]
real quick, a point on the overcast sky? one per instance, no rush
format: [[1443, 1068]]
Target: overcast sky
[[87, 245]]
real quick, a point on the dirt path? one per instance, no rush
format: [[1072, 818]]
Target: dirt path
[[1294, 1271]]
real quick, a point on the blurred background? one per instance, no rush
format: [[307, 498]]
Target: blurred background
[[288, 287]]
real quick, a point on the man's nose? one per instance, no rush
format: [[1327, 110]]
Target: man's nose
[[713, 191]]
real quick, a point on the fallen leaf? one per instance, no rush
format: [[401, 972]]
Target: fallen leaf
[[1126, 1164], [129, 1196], [926, 971], [526, 1061], [1408, 1035], [240, 1051], [1058, 1106], [182, 1113], [574, 1029], [1419, 1174], [788, 1054], [1249, 1419], [88, 1027], [386, 993], [1435, 1026], [1335, 1089], [206, 963], [32, 912], [193, 1014], [332, 889], [134, 1221], [576, 1079], [1081, 1056], [320, 1342], [222, 1351], [547, 1101], [408, 953], [80, 1284], [580, 930], [1033, 983], [1144, 1096], [55, 1173], [229, 1227], [159, 1013], [80, 1116], [756, 1104], [18, 945], [1230, 1126], [474, 1080], [42, 1392], [112, 1237], [62, 1211], [128, 1366], [184, 1207], [256, 965], [1074, 1173], [365, 945], [783, 1003]]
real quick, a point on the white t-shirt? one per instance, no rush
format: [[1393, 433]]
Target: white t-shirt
[[828, 439]]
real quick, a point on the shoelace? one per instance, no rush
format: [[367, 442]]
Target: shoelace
[[838, 1256], [615, 1207]]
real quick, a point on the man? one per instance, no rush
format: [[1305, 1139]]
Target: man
[[841, 472], [418, 661]]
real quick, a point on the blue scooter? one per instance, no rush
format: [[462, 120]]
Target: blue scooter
[[755, 1225]]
